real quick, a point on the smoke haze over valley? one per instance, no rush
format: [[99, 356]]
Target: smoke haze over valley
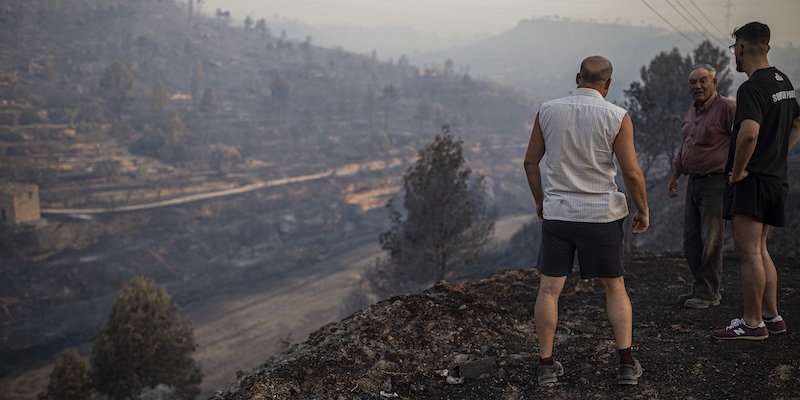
[[247, 166]]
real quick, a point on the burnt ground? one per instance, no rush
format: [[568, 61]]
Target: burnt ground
[[405, 346]]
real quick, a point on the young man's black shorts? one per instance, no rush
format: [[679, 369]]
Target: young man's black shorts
[[599, 247], [758, 198]]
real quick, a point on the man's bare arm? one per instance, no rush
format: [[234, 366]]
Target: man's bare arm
[[533, 156], [745, 145], [632, 174]]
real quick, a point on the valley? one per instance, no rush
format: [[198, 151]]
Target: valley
[[244, 312]]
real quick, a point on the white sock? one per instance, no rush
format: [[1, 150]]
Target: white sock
[[760, 324]]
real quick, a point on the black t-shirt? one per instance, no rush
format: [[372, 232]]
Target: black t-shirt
[[769, 99]]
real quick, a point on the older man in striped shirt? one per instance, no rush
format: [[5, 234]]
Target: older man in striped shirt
[[702, 155], [582, 209]]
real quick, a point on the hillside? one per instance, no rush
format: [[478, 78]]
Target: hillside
[[408, 346], [286, 106], [212, 107]]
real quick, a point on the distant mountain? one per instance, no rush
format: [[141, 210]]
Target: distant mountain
[[543, 54], [389, 42]]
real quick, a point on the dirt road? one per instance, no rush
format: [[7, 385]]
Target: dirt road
[[240, 331], [345, 170]]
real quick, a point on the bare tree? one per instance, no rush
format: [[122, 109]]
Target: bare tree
[[198, 80], [424, 111], [389, 97], [159, 102], [209, 102]]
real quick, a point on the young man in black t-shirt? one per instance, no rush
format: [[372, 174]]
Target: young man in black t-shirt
[[766, 126]]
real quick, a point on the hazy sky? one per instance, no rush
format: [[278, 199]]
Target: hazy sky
[[466, 17]]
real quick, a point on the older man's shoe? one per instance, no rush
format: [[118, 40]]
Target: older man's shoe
[[699, 302], [629, 374], [686, 296], [549, 373]]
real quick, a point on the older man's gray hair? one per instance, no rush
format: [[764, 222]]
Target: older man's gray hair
[[705, 67]]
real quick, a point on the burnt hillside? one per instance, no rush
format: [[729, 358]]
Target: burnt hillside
[[417, 346]]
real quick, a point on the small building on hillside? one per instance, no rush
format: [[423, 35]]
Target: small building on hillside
[[19, 203]]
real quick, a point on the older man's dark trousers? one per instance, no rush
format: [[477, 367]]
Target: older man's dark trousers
[[703, 233]]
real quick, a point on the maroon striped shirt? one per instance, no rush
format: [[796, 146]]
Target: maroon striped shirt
[[706, 136]]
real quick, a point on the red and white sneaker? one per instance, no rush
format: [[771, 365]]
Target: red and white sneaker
[[775, 325], [739, 330]]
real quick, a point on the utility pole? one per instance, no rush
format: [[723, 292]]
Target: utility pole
[[728, 14]]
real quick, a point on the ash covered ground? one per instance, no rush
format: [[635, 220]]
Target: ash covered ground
[[405, 347]]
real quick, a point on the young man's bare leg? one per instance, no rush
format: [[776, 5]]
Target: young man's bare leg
[[618, 308], [769, 302], [545, 314], [749, 242]]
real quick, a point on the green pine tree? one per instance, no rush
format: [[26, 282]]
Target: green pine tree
[[144, 343], [224, 158], [447, 221], [115, 86], [69, 379]]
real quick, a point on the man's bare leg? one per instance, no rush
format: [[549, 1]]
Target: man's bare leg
[[769, 302], [618, 308], [749, 238], [545, 314]]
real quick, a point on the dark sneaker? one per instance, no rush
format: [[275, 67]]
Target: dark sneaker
[[699, 302], [686, 296], [739, 330], [629, 374], [549, 373], [775, 325]]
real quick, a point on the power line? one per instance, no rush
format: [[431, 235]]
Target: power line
[[686, 19], [669, 23], [707, 19], [689, 13]]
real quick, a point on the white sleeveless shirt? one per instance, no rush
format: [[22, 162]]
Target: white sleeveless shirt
[[579, 171]]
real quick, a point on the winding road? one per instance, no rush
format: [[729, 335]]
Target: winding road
[[349, 169]]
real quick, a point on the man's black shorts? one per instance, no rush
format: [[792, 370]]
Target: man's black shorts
[[756, 197], [599, 247]]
